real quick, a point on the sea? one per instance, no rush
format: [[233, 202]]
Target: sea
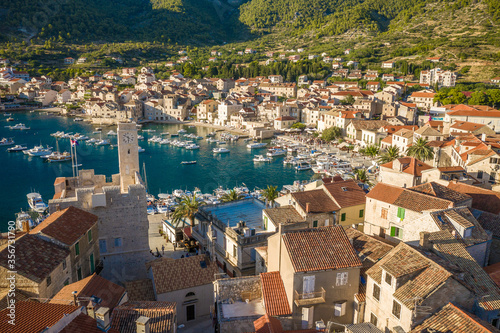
[[161, 164]]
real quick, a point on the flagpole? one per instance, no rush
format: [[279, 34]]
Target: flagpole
[[76, 159], [72, 157]]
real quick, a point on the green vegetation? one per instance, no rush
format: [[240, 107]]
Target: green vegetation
[[187, 208], [420, 150], [300, 126], [331, 133], [232, 195], [370, 150], [480, 94], [270, 193], [389, 155], [361, 175]]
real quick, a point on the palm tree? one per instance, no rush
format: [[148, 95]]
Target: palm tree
[[187, 208], [232, 196], [371, 150], [361, 176], [270, 193], [420, 150], [389, 155]]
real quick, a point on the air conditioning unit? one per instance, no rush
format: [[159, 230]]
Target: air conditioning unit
[[340, 308]]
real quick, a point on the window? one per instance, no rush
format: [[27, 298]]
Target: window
[[64, 264], [49, 281], [383, 213], [493, 175], [342, 217], [373, 319], [397, 232], [89, 236], [77, 248], [234, 250], [342, 279], [467, 232], [66, 282], [388, 278], [401, 213], [102, 246], [92, 263], [265, 222], [396, 309], [118, 242], [190, 294], [361, 212], [480, 174], [315, 224], [376, 292]]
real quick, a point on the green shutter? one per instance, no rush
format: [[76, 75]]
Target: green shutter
[[342, 217], [92, 263], [90, 235], [315, 224], [361, 212], [77, 248], [393, 231], [401, 213]]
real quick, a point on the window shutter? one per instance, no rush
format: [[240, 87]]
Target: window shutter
[[393, 231]]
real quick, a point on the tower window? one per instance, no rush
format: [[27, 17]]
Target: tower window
[[129, 151]]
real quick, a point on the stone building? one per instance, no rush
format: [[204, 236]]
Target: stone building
[[76, 230], [120, 203]]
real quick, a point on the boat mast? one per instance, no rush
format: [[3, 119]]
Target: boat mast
[[145, 176]]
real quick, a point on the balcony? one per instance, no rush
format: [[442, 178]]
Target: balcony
[[309, 299]]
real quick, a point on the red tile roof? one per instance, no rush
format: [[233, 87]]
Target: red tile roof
[[452, 319], [84, 324], [482, 199], [161, 316], [318, 200], [34, 317], [93, 285], [494, 272], [346, 193], [274, 294], [410, 165], [440, 191], [336, 251], [35, 258], [67, 226], [177, 274]]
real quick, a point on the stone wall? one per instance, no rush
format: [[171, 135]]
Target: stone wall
[[232, 288]]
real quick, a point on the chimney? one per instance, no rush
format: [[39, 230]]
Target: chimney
[[142, 324], [102, 317], [483, 137], [308, 209], [26, 226], [90, 308], [425, 243]]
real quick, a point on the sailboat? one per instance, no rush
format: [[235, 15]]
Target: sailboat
[[57, 156]]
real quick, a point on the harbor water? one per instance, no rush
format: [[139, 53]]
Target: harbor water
[[22, 174]]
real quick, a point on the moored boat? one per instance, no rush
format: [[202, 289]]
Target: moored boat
[[16, 148], [220, 150], [36, 203], [188, 162], [6, 142]]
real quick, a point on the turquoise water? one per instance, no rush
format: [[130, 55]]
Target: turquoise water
[[22, 174]]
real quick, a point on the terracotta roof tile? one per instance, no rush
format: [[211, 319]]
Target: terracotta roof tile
[[34, 317], [410, 166], [319, 201], [304, 245], [93, 285], [440, 191], [67, 226], [267, 324], [368, 247], [482, 199], [140, 290], [176, 274], [346, 193], [35, 258], [84, 324], [283, 214], [274, 294], [452, 319], [161, 316]]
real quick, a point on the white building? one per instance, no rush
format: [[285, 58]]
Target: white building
[[437, 76]]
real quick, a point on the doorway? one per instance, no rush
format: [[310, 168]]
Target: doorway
[[190, 312]]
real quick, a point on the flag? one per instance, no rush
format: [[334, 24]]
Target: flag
[[74, 143]]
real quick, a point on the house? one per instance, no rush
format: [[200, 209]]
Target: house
[[63, 96], [389, 209], [205, 108], [285, 122], [428, 133], [280, 89], [275, 78], [388, 64], [366, 131], [439, 77], [434, 59], [373, 86], [145, 316], [469, 127], [69, 61], [424, 100], [188, 282], [294, 58], [76, 230], [250, 51], [479, 114], [93, 287], [317, 287], [403, 172], [42, 267], [402, 139], [82, 60], [454, 319]]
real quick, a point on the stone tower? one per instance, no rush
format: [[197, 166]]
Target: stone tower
[[128, 154]]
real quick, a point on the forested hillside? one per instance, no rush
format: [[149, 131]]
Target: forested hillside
[[186, 21]]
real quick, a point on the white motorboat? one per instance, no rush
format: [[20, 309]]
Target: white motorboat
[[80, 137], [59, 157], [92, 140], [148, 130], [210, 140], [162, 208], [221, 150], [20, 127], [78, 119], [57, 134], [210, 135], [7, 114], [16, 148], [155, 139], [178, 193], [276, 152], [261, 158], [38, 151], [165, 142], [192, 146], [256, 145], [140, 137], [6, 142], [36, 202], [103, 142], [182, 130], [112, 133], [165, 133], [141, 150], [188, 162], [302, 166], [151, 210]]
